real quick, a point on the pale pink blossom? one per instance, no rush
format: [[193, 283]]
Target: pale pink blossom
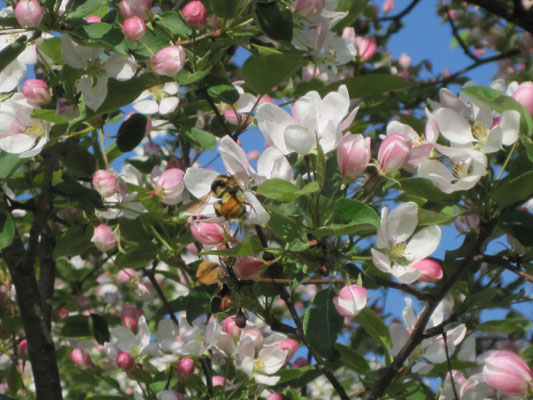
[[81, 359], [105, 183], [394, 152], [366, 47], [230, 327], [350, 301], [404, 61], [195, 14], [129, 317], [353, 155], [23, 348], [290, 345], [29, 13], [208, 233], [388, 6], [140, 8], [126, 275], [169, 61], [103, 238], [36, 91], [134, 28], [524, 94], [507, 372], [247, 268], [169, 186]]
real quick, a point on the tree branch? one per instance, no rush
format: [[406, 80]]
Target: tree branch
[[516, 15], [458, 37], [398, 17], [47, 275], [151, 276]]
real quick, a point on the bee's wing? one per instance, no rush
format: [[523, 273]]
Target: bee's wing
[[202, 207]]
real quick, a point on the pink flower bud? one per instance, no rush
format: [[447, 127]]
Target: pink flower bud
[[129, 317], [309, 8], [365, 47], [394, 151], [290, 345], [248, 268], [350, 301], [91, 19], [23, 348], [274, 396], [125, 361], [169, 61], [524, 94], [404, 61], [446, 73], [230, 327], [134, 28], [185, 368], [62, 313], [299, 362], [208, 232], [105, 183], [140, 8], [170, 186], [126, 275], [388, 6], [103, 238], [507, 372], [195, 14], [430, 271], [36, 91], [353, 155], [220, 381], [29, 13], [81, 359]]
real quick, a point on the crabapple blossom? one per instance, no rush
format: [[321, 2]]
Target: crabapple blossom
[[290, 345], [14, 72], [29, 13], [255, 335], [81, 359], [103, 238], [169, 186], [268, 361], [350, 301], [105, 183], [430, 271], [388, 6], [134, 28], [247, 268], [164, 99], [309, 8], [140, 8], [195, 14], [169, 61], [36, 91], [524, 94], [353, 155], [125, 361], [394, 152], [365, 46], [129, 317], [399, 247], [230, 327], [208, 233], [507, 372], [218, 380]]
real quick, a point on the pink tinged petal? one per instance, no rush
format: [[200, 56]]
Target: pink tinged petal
[[449, 99], [381, 261], [298, 139], [234, 158], [510, 125], [246, 103], [120, 67], [507, 372], [168, 105], [423, 243], [494, 140], [349, 119], [419, 154], [272, 121], [402, 222], [198, 181], [256, 213], [146, 106], [396, 126], [453, 126]]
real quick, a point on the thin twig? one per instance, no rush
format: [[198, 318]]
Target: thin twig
[[458, 37], [505, 262], [445, 340], [151, 276], [399, 16], [217, 113]]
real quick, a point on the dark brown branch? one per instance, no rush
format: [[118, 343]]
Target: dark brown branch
[[213, 106], [445, 340], [151, 276], [399, 16], [458, 37], [439, 329], [516, 15], [319, 360], [417, 335], [47, 275], [505, 262]]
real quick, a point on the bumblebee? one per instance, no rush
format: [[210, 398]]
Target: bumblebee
[[231, 197]]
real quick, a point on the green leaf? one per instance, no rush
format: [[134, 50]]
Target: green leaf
[[337, 230], [428, 217], [527, 355], [499, 102], [373, 324], [98, 34], [106, 398], [513, 191], [14, 380], [174, 23], [368, 85], [264, 72], [74, 241], [225, 9], [509, 325], [186, 77], [8, 163], [76, 326], [353, 211], [417, 124], [282, 190], [353, 360], [48, 115], [459, 365], [322, 323], [136, 257], [99, 328], [131, 132], [200, 138], [197, 303], [519, 224], [76, 192], [247, 247], [10, 52], [52, 48], [82, 8], [423, 187], [275, 20], [79, 161], [223, 93], [122, 93]]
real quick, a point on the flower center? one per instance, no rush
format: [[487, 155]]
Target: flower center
[[36, 129], [397, 253], [461, 169], [157, 92], [479, 131], [259, 365]]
